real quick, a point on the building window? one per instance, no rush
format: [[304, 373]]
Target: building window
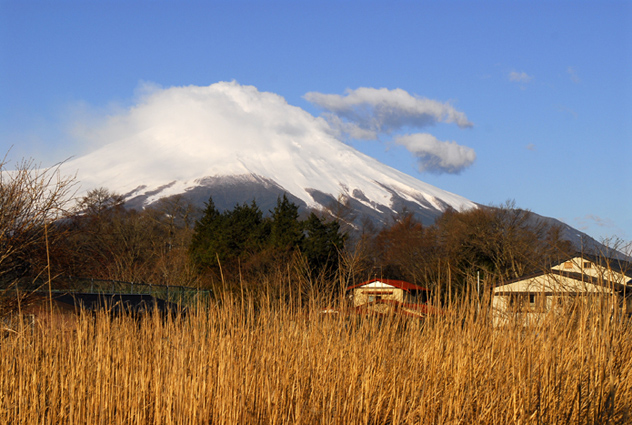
[[538, 303], [518, 302], [529, 303], [587, 264]]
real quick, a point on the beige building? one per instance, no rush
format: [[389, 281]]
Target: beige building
[[599, 281], [388, 296], [377, 290]]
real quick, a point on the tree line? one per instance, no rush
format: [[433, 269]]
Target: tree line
[[495, 243], [46, 230]]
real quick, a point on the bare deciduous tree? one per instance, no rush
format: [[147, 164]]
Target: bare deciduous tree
[[30, 197], [99, 200]]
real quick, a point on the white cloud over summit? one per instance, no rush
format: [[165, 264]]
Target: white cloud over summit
[[198, 125], [202, 127], [368, 113]]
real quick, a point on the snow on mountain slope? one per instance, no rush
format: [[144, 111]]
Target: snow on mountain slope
[[176, 139]]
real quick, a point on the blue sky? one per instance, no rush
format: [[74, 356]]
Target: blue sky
[[547, 86]]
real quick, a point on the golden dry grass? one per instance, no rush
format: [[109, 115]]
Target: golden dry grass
[[234, 364]]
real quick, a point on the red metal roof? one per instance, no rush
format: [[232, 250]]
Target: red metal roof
[[406, 286]]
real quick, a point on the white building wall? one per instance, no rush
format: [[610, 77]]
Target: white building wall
[[364, 294]]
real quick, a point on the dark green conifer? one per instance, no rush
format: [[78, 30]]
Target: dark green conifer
[[244, 231], [205, 244], [322, 244], [285, 228]]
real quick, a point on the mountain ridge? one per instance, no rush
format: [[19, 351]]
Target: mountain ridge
[[228, 136], [238, 144]]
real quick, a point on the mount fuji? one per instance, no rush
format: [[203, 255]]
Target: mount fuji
[[236, 144]]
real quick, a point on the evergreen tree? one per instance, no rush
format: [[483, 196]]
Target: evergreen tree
[[206, 241], [244, 231], [232, 236], [323, 241], [285, 228]]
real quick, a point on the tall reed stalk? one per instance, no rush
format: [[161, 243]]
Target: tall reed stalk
[[250, 361]]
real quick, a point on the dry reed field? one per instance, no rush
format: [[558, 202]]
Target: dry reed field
[[234, 363]]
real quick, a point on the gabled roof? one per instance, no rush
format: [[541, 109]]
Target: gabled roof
[[388, 283], [616, 265], [626, 289]]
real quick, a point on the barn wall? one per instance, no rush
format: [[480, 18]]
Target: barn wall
[[364, 295]]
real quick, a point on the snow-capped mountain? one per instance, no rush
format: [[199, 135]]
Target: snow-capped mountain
[[238, 144]]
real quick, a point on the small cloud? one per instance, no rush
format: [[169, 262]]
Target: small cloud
[[573, 74], [599, 221], [531, 147], [435, 156], [367, 112], [567, 110], [520, 77], [590, 220]]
